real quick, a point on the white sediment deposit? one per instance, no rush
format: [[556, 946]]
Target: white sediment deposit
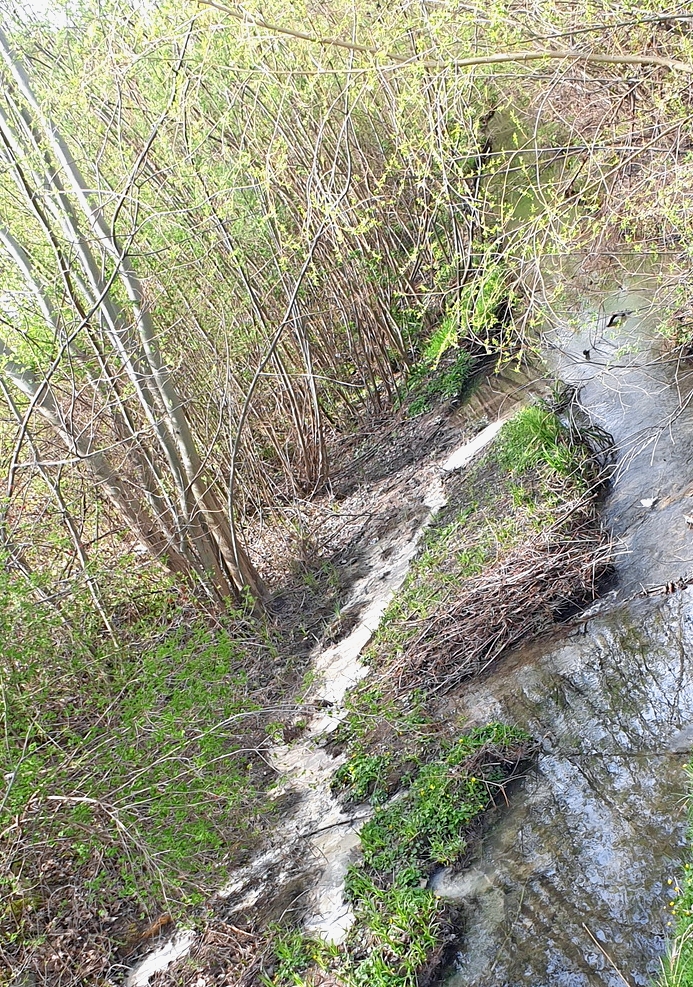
[[317, 828]]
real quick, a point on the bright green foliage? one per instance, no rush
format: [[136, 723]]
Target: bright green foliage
[[363, 776], [474, 316], [136, 750], [294, 953], [400, 926], [427, 825], [535, 435], [446, 385], [446, 336]]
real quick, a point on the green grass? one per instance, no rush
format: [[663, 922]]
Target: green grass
[[429, 384], [473, 318], [399, 923], [364, 776], [396, 930], [293, 953], [134, 754], [474, 314], [426, 826], [535, 436], [678, 964]]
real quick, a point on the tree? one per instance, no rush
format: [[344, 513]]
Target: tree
[[123, 416]]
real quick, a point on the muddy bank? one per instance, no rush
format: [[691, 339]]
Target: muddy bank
[[569, 886]]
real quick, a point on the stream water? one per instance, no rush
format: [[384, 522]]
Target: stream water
[[570, 886]]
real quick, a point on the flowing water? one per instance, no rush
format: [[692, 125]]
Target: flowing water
[[571, 884]]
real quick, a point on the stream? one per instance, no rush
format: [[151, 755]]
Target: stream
[[569, 884]]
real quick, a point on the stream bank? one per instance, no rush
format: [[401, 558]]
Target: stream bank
[[573, 885], [301, 872], [570, 880]]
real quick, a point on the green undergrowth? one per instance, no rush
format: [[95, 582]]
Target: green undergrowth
[[428, 384], [473, 321], [401, 927], [132, 782], [678, 963]]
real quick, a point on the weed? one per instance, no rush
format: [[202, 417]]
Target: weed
[[449, 384], [294, 952], [363, 776], [397, 928], [426, 826], [678, 965], [535, 435], [475, 314]]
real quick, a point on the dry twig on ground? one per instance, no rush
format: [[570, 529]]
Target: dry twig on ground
[[519, 596]]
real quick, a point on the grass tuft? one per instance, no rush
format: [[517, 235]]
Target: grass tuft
[[535, 435], [678, 964]]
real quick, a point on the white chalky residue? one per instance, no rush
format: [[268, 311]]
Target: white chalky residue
[[161, 958], [319, 824]]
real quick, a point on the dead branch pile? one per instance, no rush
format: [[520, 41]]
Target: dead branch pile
[[520, 595]]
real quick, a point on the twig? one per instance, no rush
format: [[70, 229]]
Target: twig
[[604, 953]]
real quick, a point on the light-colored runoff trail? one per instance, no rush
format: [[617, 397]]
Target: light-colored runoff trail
[[315, 842], [570, 885]]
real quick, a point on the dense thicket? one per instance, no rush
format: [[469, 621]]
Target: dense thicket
[[224, 241]]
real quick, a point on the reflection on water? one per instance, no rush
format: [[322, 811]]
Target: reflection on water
[[640, 392], [571, 883], [569, 887]]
